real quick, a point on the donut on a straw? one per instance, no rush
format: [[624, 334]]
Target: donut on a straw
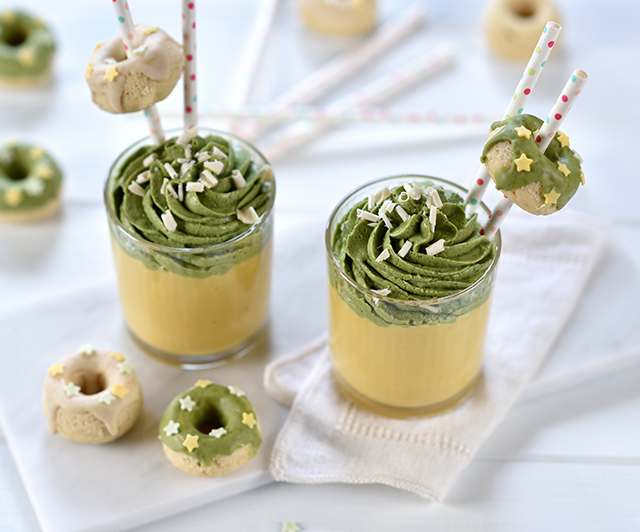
[[121, 85], [539, 183]]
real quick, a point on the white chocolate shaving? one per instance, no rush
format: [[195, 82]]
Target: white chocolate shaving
[[143, 177], [180, 192], [187, 151], [169, 221], [415, 193], [370, 202], [136, 189], [403, 197], [146, 162], [183, 160], [405, 249], [184, 168], [366, 215], [429, 307], [186, 136], [383, 256], [238, 179], [202, 157], [387, 206], [386, 220], [208, 179], [435, 198], [382, 292], [163, 187], [217, 152], [215, 166], [247, 216], [172, 191], [402, 213], [172, 173], [408, 187], [433, 213], [436, 247], [195, 187], [372, 224]]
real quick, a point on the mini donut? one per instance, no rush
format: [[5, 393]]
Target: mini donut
[[91, 396], [210, 430], [538, 183], [338, 17], [26, 50], [513, 27], [30, 183], [121, 85]]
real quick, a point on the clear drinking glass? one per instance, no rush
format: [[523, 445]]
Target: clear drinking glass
[[196, 307], [404, 370]]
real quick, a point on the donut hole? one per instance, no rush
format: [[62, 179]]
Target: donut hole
[[16, 171], [523, 8], [210, 420], [90, 383], [14, 36]]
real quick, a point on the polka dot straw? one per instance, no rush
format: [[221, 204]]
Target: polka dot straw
[[189, 45]]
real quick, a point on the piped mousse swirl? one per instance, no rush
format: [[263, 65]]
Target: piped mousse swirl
[[192, 192], [410, 243]]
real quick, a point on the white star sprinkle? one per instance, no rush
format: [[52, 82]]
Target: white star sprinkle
[[171, 428], [125, 367], [236, 391], [106, 397], [87, 349], [187, 403], [216, 433], [71, 389]]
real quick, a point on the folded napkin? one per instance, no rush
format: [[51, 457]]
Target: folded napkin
[[544, 267]]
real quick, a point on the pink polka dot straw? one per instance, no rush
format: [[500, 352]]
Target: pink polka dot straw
[[189, 46], [516, 106], [130, 40]]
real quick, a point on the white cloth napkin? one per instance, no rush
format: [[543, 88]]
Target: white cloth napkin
[[544, 266]]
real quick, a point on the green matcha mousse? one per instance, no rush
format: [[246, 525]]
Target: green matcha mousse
[[413, 243], [191, 192]]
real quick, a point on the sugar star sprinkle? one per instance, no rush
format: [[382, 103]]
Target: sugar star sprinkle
[[71, 389], [249, 420], [87, 349], [191, 442], [12, 196], [202, 383], [187, 403], [105, 397], [290, 526], [88, 71], [119, 390], [27, 57], [150, 30], [582, 177], [216, 433], [236, 391], [563, 139], [44, 171], [117, 356], [523, 163], [125, 368], [551, 197], [56, 369], [564, 170], [523, 132], [171, 428], [111, 74]]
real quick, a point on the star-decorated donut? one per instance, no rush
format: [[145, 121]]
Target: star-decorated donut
[[210, 430], [539, 183]]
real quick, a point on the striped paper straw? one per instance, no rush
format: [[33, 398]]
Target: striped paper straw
[[373, 94], [130, 41], [521, 95], [548, 130], [561, 108], [255, 48], [337, 71], [189, 47]]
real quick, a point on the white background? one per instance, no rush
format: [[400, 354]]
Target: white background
[[564, 460]]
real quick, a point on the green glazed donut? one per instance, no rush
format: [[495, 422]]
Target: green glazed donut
[[26, 50], [210, 430], [30, 182]]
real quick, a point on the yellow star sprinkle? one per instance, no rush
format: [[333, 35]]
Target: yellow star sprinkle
[[523, 132], [97, 46], [39, 23], [523, 163], [290, 526], [88, 71], [44, 171], [56, 369], [13, 196], [27, 57], [202, 383], [191, 442], [119, 390], [551, 197], [117, 356], [151, 30], [111, 74], [563, 139], [8, 17], [563, 169], [249, 420], [36, 153], [582, 177]]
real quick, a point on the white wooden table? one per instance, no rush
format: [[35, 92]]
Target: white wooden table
[[567, 458]]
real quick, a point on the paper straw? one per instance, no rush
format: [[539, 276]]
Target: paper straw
[[189, 47], [338, 70], [373, 94], [557, 115], [561, 108], [130, 41], [521, 95], [254, 50]]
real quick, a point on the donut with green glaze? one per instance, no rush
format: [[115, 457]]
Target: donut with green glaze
[[30, 183], [539, 183], [210, 430], [26, 50]]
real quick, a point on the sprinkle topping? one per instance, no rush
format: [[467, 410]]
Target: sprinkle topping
[[169, 221], [238, 179], [140, 49], [136, 189], [71, 389], [436, 247], [44, 171], [402, 213], [523, 163], [236, 391], [383, 256], [146, 162], [87, 349], [191, 442], [56, 369], [564, 170], [383, 292], [186, 403], [106, 397], [215, 166], [405, 248], [125, 368], [216, 433], [366, 215], [111, 74], [150, 30], [523, 132], [434, 198], [117, 356], [249, 420], [143, 177], [195, 187], [208, 179], [217, 152], [88, 71], [13, 196], [171, 428], [119, 390], [248, 216], [187, 135], [551, 197], [403, 197], [172, 173], [290, 526], [433, 216], [582, 177], [563, 139], [386, 220], [202, 383]]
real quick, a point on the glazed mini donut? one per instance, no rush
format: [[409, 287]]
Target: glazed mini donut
[[210, 430], [30, 183], [92, 396], [338, 17], [513, 27], [121, 85], [538, 183], [26, 50]]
